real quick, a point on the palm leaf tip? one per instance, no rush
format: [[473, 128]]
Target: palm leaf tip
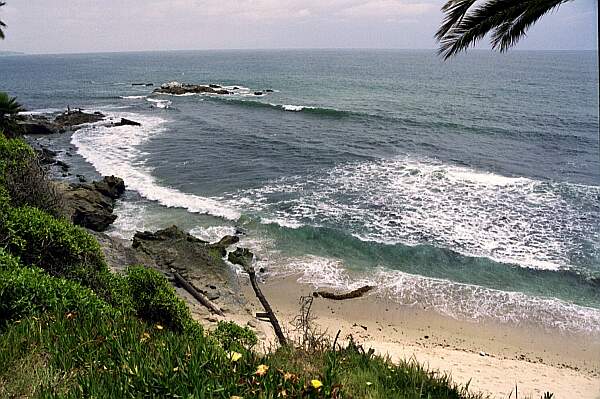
[[466, 22]]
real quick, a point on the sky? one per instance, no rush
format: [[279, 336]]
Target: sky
[[76, 26]]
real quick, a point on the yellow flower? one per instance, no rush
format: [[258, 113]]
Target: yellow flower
[[176, 369], [145, 337], [316, 384], [234, 356], [369, 383], [236, 397], [159, 327], [262, 370]]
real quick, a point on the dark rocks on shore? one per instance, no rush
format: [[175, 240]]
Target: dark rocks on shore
[[110, 186], [224, 243], [242, 257], [269, 91], [197, 261], [37, 127], [258, 93], [63, 165], [92, 205], [142, 84], [184, 88], [70, 120], [228, 241]]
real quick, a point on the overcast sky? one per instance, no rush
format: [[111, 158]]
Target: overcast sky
[[65, 26]]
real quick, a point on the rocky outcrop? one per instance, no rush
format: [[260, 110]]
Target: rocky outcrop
[[198, 262], [92, 205], [184, 88], [110, 186], [73, 119], [39, 127], [242, 257], [70, 120]]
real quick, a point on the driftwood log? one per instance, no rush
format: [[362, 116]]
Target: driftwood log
[[348, 295], [268, 310], [196, 294]]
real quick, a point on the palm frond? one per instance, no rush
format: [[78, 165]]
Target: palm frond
[[508, 34], [2, 24], [508, 20], [455, 10]]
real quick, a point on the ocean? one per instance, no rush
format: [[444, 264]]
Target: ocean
[[471, 187]]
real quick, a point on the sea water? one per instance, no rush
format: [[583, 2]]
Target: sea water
[[470, 186]]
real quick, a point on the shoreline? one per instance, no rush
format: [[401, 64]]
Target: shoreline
[[569, 365], [493, 357]]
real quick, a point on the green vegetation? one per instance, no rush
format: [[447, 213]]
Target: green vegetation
[[154, 299], [71, 328], [233, 337], [466, 23], [9, 112], [24, 179]]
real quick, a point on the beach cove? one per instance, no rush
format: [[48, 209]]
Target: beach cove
[[487, 249]]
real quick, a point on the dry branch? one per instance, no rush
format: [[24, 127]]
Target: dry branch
[[196, 294], [268, 310]]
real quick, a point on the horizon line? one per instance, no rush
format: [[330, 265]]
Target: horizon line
[[20, 52]]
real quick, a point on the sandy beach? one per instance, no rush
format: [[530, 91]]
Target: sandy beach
[[492, 358]]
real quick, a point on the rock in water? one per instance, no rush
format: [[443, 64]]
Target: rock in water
[[127, 122], [184, 88], [70, 119], [242, 257]]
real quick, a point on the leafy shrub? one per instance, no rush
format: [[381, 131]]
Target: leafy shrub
[[154, 299], [55, 245], [13, 153], [231, 336], [8, 262], [25, 291], [24, 179]]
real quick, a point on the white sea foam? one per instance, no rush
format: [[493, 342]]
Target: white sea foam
[[515, 220], [164, 104], [42, 111], [133, 97], [115, 151], [460, 301], [212, 233], [132, 218]]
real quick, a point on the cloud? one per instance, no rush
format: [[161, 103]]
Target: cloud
[[117, 25], [386, 9], [265, 10]]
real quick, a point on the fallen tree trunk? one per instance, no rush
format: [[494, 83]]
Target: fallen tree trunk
[[196, 294], [349, 295], [269, 312]]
